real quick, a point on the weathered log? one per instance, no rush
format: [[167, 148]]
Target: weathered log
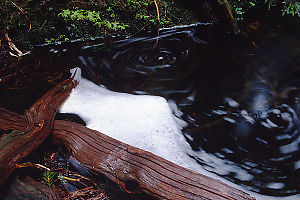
[[12, 121], [39, 122], [125, 164], [28, 188]]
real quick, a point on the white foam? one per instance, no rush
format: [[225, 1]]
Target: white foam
[[231, 102], [143, 121]]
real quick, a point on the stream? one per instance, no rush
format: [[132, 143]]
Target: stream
[[240, 97]]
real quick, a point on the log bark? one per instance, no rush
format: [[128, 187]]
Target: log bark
[[29, 189], [126, 164], [132, 168], [25, 137]]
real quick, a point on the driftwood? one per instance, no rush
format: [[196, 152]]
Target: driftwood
[[39, 122], [126, 164], [131, 168]]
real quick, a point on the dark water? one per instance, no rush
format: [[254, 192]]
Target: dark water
[[241, 99]]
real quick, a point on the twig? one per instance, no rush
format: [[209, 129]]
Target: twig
[[158, 24], [75, 193], [20, 9], [39, 166], [82, 177], [233, 21], [28, 164], [51, 79], [157, 12], [165, 9]]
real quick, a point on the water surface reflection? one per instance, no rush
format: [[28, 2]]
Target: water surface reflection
[[241, 103]]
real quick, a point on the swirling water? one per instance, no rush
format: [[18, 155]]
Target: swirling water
[[241, 101]]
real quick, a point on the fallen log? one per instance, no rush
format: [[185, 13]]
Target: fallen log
[[16, 145], [28, 188], [131, 168], [126, 164]]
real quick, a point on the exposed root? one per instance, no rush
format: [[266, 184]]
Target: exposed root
[[14, 50]]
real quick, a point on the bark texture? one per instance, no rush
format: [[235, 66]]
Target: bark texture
[[25, 137], [29, 189], [131, 168], [135, 169]]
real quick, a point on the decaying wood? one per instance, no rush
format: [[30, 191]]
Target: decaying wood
[[128, 165], [19, 143], [12, 121], [28, 188], [230, 16], [124, 164]]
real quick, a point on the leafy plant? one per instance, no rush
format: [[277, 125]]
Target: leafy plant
[[61, 178], [80, 14], [48, 177], [240, 7], [60, 38], [54, 21], [94, 17], [117, 15], [291, 8]]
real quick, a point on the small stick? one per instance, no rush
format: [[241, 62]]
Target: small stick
[[20, 9], [39, 166], [157, 11]]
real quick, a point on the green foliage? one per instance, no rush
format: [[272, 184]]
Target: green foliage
[[80, 14], [144, 12], [48, 177], [291, 8], [60, 38], [61, 178], [94, 17], [240, 7], [271, 3], [121, 15], [115, 26], [64, 20], [43, 2]]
